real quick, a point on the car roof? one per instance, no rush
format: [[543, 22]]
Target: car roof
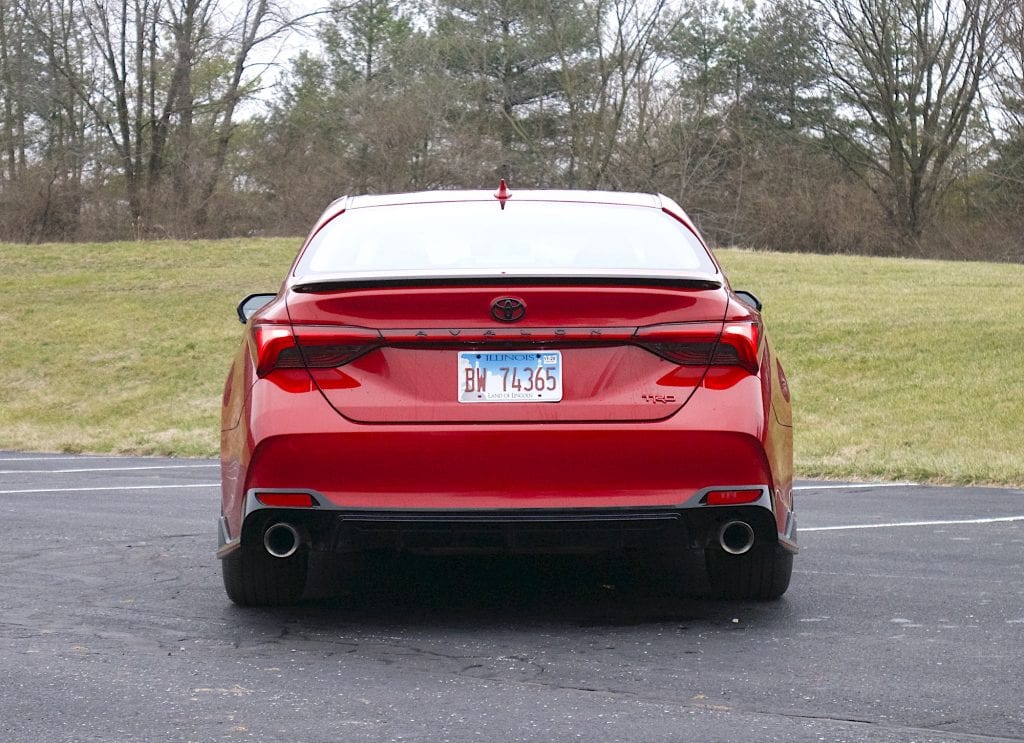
[[623, 198], [614, 198]]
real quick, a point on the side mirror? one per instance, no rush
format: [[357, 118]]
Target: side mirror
[[749, 299], [253, 304]]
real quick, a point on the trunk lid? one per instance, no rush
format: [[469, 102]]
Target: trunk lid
[[594, 334]]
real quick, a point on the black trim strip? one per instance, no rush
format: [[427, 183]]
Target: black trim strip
[[507, 516]]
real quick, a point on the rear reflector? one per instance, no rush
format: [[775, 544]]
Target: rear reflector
[[286, 500], [731, 497]]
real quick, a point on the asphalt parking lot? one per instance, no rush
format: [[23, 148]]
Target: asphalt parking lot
[[904, 622]]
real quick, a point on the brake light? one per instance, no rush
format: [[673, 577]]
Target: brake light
[[706, 344], [308, 346]]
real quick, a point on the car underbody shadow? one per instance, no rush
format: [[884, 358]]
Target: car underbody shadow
[[606, 589]]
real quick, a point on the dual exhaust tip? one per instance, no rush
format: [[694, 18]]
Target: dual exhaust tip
[[736, 537]]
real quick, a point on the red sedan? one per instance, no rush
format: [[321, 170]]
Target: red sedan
[[520, 371]]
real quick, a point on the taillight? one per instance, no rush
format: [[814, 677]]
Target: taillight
[[312, 346], [706, 344]]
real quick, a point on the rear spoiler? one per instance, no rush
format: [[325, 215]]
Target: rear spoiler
[[334, 284]]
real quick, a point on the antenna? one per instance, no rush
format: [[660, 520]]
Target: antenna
[[502, 194]]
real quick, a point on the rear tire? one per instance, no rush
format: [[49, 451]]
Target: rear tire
[[762, 574], [254, 578]]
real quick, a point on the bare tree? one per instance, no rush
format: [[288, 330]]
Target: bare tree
[[619, 88], [905, 75], [44, 127], [12, 31], [1010, 84], [258, 22], [131, 64]]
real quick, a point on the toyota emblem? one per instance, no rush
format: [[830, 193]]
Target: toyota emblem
[[508, 309]]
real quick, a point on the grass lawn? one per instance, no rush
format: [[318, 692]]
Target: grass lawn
[[123, 347], [900, 369]]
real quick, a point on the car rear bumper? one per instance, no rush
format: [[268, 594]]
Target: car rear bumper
[[456, 467], [527, 482], [327, 527]]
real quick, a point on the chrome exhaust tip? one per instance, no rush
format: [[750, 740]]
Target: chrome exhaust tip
[[281, 540], [736, 537]]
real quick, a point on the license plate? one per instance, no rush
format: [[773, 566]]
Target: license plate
[[510, 376]]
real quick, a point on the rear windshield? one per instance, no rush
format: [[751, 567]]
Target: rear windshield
[[527, 237]]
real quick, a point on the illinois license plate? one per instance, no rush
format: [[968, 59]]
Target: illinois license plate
[[510, 376]]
